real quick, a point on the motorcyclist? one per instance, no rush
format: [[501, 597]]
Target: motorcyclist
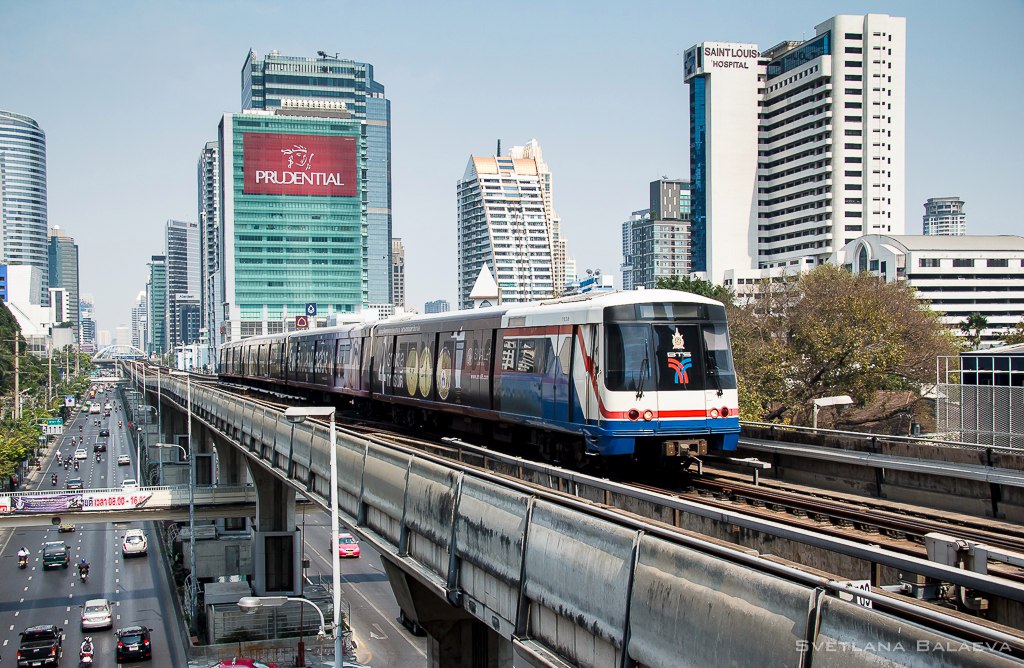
[[53, 479], [76, 464], [23, 555], [86, 649], [97, 456], [83, 567]]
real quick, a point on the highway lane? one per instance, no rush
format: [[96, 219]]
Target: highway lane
[[138, 590], [367, 597]]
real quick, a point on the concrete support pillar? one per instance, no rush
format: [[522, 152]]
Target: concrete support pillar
[[231, 464], [457, 639], [277, 545]]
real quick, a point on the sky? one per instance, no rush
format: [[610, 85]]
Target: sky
[[129, 92]]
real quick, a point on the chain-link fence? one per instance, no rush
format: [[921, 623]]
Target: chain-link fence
[[980, 399]]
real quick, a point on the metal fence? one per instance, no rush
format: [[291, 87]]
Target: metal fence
[[980, 399]]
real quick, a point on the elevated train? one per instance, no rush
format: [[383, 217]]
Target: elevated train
[[643, 374]]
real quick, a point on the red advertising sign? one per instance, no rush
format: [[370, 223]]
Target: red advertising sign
[[298, 165]]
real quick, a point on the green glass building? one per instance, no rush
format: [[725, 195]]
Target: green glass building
[[293, 206]]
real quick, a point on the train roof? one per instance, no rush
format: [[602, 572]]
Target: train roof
[[577, 304]]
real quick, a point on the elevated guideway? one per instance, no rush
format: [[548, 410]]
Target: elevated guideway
[[502, 572], [91, 506]]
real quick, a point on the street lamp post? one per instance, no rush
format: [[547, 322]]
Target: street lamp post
[[191, 497], [841, 400], [251, 604], [297, 414]]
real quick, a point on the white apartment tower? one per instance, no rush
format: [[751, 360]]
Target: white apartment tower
[[506, 220], [798, 149]]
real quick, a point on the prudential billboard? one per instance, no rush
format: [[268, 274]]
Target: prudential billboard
[[277, 164]]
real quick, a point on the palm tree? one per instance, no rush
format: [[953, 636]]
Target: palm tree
[[973, 326]]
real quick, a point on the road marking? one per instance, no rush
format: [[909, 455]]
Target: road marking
[[382, 636], [12, 627], [17, 612]]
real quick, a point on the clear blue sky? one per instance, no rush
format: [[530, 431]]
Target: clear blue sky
[[128, 93]]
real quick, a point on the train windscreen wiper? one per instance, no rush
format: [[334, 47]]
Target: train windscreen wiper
[[712, 365], [645, 368]]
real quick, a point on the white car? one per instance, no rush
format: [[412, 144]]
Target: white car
[[81, 454], [129, 483], [96, 614], [134, 543], [124, 460]]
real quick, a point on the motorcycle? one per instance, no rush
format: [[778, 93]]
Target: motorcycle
[[22, 561], [85, 654], [76, 464], [53, 479], [83, 574], [97, 456]]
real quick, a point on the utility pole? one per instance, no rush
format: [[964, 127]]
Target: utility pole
[[17, 387]]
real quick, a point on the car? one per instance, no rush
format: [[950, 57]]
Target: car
[[133, 642], [243, 661], [96, 614], [105, 432], [40, 646], [56, 554], [124, 460], [100, 445], [129, 483], [66, 527], [348, 546], [74, 483], [134, 542], [80, 453], [106, 413]]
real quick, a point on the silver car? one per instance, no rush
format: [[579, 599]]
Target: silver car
[[134, 542], [96, 614]]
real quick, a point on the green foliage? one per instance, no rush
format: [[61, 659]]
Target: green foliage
[[1015, 335], [696, 286], [973, 326], [829, 332]]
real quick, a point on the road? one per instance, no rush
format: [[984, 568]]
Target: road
[[139, 588]]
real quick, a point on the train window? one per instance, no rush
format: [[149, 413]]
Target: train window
[[508, 354], [679, 355], [565, 355], [627, 366], [719, 356]]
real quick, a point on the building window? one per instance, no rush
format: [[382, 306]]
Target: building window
[[999, 263], [963, 262], [929, 262]]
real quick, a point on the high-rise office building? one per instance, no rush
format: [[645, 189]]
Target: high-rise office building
[[269, 81], [63, 270], [156, 305], [437, 306], [140, 321], [944, 216], [210, 298], [87, 324], [397, 273], [806, 151], [293, 222], [23, 196], [181, 247], [658, 245], [506, 220]]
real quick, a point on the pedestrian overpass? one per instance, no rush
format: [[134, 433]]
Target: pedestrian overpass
[[136, 504]]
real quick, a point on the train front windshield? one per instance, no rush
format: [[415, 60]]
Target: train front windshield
[[668, 356]]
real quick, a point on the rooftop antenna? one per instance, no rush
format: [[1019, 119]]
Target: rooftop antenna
[[499, 148]]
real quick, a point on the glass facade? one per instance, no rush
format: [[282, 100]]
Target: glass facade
[[698, 175], [156, 293], [816, 48], [23, 196], [290, 250], [269, 80], [63, 261]]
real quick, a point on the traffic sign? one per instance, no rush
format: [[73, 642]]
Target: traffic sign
[[311, 308], [301, 322], [55, 421], [69, 400]]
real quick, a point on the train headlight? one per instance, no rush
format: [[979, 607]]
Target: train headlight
[[648, 414], [714, 412], [633, 414]]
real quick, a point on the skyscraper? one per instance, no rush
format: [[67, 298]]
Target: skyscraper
[[156, 305], [944, 216], [437, 306], [397, 273], [658, 243], [140, 321], [267, 82], [87, 323], [23, 196], [506, 220], [63, 269], [183, 282], [806, 151], [208, 177], [293, 222]]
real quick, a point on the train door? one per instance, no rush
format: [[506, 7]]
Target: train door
[[557, 395], [585, 351]]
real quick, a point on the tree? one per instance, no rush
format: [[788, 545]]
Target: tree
[[831, 332], [1015, 335], [696, 286], [973, 326]]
